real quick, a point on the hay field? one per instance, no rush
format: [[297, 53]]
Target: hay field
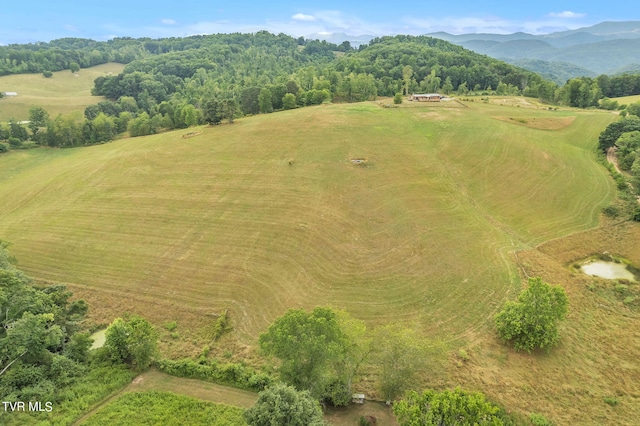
[[63, 93], [626, 100], [421, 233]]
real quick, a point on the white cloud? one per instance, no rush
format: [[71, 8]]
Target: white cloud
[[496, 25], [567, 14], [168, 21], [303, 17]]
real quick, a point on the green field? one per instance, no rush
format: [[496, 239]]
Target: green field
[[271, 213], [63, 93], [626, 100], [223, 221]]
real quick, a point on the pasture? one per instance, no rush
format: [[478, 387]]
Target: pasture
[[270, 213], [626, 100], [63, 93]]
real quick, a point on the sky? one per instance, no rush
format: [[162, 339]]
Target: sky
[[32, 21]]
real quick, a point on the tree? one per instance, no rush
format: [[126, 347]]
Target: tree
[[74, 67], [289, 101], [282, 405], [613, 131], [448, 408], [308, 345], [132, 341], [17, 131], [264, 101], [212, 111], [634, 109], [407, 73], [531, 322], [229, 109], [399, 354]]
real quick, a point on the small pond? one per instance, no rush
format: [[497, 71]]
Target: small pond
[[609, 270], [98, 339]]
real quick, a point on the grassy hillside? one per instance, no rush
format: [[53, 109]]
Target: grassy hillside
[[271, 213], [63, 93], [221, 220]]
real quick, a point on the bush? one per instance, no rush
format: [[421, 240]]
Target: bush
[[15, 142], [397, 99], [337, 394], [611, 401], [539, 420], [448, 408], [232, 374], [611, 211], [171, 325], [221, 326], [284, 405], [47, 74], [4, 147]]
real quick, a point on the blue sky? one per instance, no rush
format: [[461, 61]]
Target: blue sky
[[37, 20]]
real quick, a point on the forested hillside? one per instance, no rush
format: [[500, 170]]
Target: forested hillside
[[181, 82]]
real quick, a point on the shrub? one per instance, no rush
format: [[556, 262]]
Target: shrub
[[611, 401], [448, 408], [3, 147], [337, 393], [47, 74], [15, 142], [539, 420], [171, 325], [232, 374], [611, 211], [397, 99]]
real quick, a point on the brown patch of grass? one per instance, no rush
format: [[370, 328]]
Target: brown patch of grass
[[597, 354], [541, 123]]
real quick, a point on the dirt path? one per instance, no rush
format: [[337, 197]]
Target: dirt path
[[158, 381], [611, 158]]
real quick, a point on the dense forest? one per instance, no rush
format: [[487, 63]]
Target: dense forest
[[181, 82]]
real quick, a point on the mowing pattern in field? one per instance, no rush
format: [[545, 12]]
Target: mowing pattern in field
[[270, 213], [62, 93]]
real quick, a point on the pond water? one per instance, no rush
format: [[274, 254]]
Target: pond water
[[98, 339], [609, 270]]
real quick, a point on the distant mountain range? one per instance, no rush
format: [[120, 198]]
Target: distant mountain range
[[606, 48]]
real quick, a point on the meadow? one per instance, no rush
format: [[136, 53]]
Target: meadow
[[62, 93], [626, 100], [270, 213]]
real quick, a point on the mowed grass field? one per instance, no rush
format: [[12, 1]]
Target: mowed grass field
[[422, 233], [63, 93], [270, 213], [626, 100]]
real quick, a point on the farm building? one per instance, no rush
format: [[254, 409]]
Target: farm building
[[10, 93], [426, 97]]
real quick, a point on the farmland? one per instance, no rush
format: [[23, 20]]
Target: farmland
[[271, 213], [64, 92]]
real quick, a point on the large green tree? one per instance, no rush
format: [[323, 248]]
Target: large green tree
[[308, 345], [282, 405], [531, 322], [38, 118]]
